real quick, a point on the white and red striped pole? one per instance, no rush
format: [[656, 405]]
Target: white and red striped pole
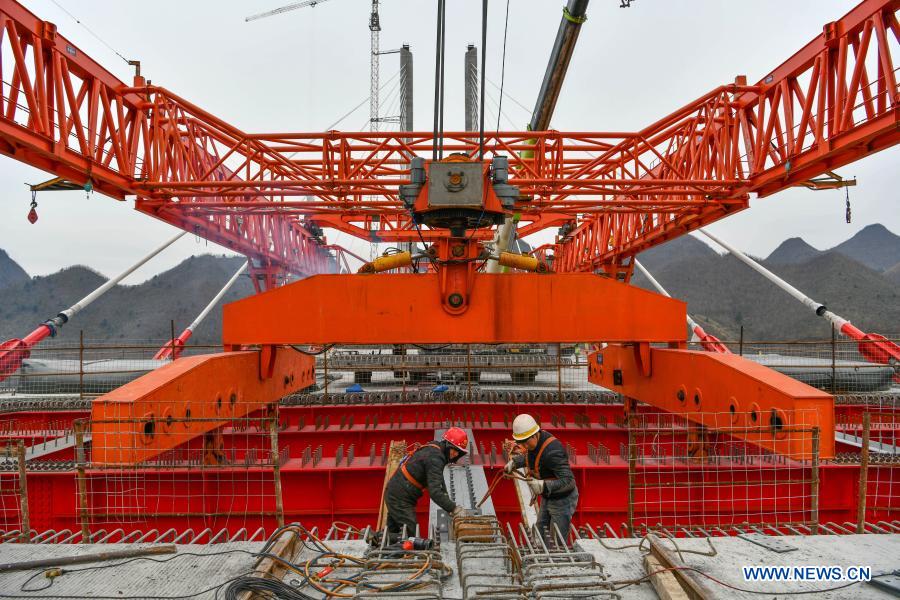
[[709, 342], [173, 348], [874, 347], [14, 351]]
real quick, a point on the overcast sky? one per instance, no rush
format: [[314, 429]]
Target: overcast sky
[[303, 70]]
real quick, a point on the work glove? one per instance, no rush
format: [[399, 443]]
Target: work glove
[[536, 486], [510, 467]]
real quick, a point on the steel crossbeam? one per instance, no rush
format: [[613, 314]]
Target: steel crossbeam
[[723, 392]]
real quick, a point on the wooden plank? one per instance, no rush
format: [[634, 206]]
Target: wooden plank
[[268, 568], [695, 587], [395, 455], [523, 494], [664, 582]]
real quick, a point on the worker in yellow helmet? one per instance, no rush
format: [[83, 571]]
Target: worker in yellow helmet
[[546, 462]]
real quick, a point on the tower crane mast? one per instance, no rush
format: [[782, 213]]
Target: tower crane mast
[[374, 65]]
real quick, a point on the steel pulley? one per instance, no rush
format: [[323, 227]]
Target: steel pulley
[[32, 214]]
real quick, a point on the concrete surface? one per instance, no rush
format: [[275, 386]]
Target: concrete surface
[[880, 552], [185, 574], [621, 559]]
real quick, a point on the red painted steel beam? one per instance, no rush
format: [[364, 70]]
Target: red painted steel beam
[[723, 392]]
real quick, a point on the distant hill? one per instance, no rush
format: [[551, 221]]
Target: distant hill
[[792, 251], [141, 311], [684, 248], [873, 246], [723, 294], [10, 271]]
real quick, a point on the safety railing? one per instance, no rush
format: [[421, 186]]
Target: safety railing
[[86, 367], [834, 365]]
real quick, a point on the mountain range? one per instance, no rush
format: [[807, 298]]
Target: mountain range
[[127, 312], [858, 279], [874, 246]]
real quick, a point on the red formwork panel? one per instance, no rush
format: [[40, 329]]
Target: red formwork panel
[[317, 491], [434, 413], [839, 492], [52, 500], [37, 421], [882, 493], [362, 439], [411, 412], [319, 494]]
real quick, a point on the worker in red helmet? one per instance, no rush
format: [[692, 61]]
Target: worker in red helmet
[[546, 464], [424, 470]]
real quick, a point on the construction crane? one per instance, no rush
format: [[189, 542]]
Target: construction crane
[[574, 15], [283, 9], [375, 51], [833, 102]]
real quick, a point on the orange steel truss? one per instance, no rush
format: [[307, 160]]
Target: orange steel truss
[[833, 102], [621, 192]]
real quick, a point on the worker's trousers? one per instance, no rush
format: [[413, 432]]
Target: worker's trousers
[[556, 513], [401, 499]]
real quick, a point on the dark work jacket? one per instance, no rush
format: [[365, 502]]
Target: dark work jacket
[[554, 468], [426, 465]]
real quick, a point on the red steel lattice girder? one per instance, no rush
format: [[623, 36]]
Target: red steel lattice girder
[[831, 103]]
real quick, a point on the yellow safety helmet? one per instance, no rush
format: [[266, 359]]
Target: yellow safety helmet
[[524, 426]]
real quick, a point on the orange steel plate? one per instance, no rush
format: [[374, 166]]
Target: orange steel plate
[[724, 392], [406, 308], [187, 398]]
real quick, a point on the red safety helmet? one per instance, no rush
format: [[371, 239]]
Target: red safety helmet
[[457, 438]]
